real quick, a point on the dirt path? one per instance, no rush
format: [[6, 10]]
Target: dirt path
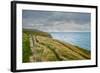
[[33, 58]]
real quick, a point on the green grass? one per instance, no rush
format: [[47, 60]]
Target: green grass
[[48, 49], [26, 48]]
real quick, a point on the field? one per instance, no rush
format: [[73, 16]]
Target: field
[[40, 46]]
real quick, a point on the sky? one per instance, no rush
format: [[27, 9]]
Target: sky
[[56, 21]]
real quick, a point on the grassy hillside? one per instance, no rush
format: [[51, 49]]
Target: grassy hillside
[[40, 46], [36, 32], [26, 48]]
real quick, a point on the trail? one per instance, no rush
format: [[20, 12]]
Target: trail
[[33, 58], [41, 47], [75, 49], [59, 47]]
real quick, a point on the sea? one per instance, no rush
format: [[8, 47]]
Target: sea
[[81, 39]]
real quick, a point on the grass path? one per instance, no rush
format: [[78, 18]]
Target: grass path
[[75, 49], [48, 49], [65, 51]]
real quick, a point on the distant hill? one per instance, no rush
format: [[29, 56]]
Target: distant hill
[[40, 47], [37, 32]]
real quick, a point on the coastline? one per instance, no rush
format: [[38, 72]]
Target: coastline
[[47, 48]]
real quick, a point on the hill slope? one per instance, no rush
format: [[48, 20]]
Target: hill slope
[[45, 48]]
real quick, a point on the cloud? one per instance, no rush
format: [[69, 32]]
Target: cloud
[[52, 21]]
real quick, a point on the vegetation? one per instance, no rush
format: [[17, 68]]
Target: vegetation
[[26, 48], [36, 32], [40, 46]]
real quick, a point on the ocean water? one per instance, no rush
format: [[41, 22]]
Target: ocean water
[[82, 39]]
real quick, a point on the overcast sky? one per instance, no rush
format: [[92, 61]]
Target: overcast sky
[[52, 21]]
